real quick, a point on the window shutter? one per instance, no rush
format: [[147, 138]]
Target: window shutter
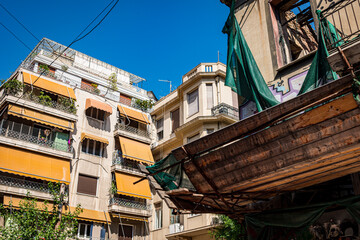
[[87, 185], [209, 96], [193, 102]]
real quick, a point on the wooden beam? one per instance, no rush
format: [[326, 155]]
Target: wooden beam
[[265, 118]]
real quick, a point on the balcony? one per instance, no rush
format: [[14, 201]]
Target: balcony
[[22, 187], [119, 163], [26, 134], [129, 206], [64, 105], [96, 123], [175, 228], [225, 109], [132, 132], [205, 69]]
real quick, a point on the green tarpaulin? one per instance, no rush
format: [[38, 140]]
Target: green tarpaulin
[[242, 72], [320, 71], [170, 178], [285, 224]]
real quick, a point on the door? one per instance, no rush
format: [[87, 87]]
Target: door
[[125, 232]]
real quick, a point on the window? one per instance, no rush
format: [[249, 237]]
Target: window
[[209, 96], [125, 232], [208, 68], [193, 138], [175, 119], [84, 231], [158, 216], [95, 113], [193, 102], [209, 131], [296, 28], [87, 185], [174, 218], [93, 147], [125, 100], [160, 128]]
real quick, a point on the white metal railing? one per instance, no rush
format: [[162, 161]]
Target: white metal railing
[[130, 203], [24, 133], [226, 109], [175, 228], [130, 129], [96, 123], [20, 183], [125, 163]]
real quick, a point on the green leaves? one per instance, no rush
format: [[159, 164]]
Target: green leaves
[[229, 229], [34, 219]]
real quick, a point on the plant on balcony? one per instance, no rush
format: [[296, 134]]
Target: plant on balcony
[[44, 68], [113, 82], [113, 189], [45, 99], [31, 220], [95, 88], [64, 68], [230, 229], [68, 103], [13, 86], [143, 105]]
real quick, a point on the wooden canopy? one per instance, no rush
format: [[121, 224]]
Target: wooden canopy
[[307, 140]]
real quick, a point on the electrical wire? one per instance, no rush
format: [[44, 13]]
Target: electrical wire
[[19, 22], [17, 38], [78, 38]]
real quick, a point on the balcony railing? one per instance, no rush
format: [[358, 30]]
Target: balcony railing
[[96, 123], [124, 163], [24, 133], [90, 88], [21, 183], [130, 203], [344, 15], [132, 130], [70, 108], [226, 109]]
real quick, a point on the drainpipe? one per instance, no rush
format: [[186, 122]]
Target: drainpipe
[[217, 83]]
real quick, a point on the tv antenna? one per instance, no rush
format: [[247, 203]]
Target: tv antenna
[[168, 82]]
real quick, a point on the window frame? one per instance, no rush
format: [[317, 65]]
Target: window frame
[[188, 96], [158, 221], [86, 226], [96, 187], [160, 130]]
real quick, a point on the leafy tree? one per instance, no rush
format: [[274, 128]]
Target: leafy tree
[[229, 229], [13, 86], [113, 82], [36, 220], [144, 105]]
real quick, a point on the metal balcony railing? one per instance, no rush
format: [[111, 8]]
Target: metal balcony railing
[[96, 123], [25, 133], [226, 109], [130, 203], [132, 130], [124, 163], [20, 183], [68, 108], [90, 88], [52, 104], [344, 15]]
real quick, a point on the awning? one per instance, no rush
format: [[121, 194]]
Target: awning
[[97, 104], [133, 114], [32, 164], [92, 215], [125, 186], [129, 217], [136, 150], [40, 117], [86, 215], [48, 85], [93, 137]]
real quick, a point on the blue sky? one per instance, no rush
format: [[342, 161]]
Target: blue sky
[[152, 39]]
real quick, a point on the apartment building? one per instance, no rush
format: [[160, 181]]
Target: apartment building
[[78, 124], [201, 105]]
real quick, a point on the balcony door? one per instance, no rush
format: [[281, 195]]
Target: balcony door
[[125, 232]]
